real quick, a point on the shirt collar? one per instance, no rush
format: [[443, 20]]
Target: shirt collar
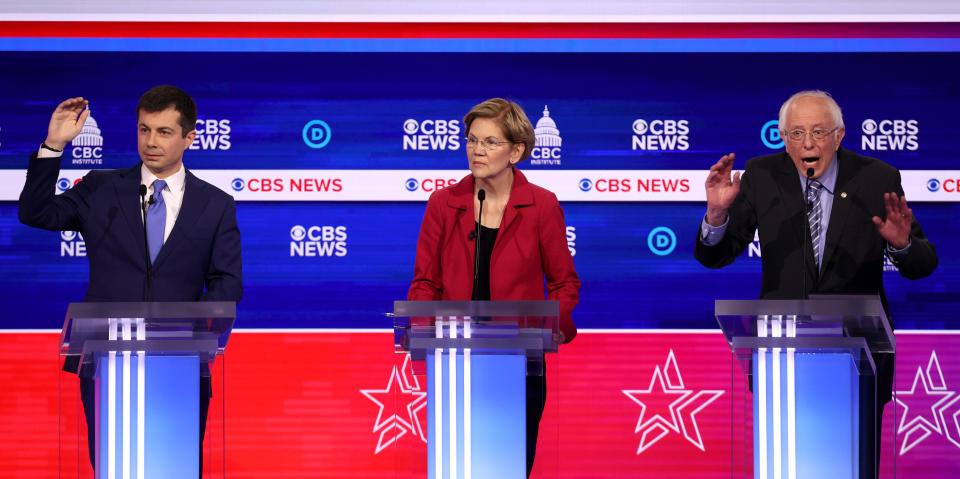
[[175, 181], [829, 177]]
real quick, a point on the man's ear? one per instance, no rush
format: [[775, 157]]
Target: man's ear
[[190, 137]]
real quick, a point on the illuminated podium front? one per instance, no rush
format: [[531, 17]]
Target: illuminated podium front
[[146, 360], [804, 360], [476, 356]]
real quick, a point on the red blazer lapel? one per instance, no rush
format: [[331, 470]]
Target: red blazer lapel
[[520, 195], [461, 201]]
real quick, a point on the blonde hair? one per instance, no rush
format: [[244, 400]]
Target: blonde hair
[[511, 119]]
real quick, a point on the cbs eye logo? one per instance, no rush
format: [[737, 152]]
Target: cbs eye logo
[[869, 126], [411, 184], [411, 126], [298, 233], [585, 184], [933, 184], [237, 184], [640, 126]]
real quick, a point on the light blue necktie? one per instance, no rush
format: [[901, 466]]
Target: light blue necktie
[[814, 217], [156, 220]]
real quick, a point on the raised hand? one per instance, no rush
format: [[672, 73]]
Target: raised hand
[[896, 228], [721, 190], [66, 122]]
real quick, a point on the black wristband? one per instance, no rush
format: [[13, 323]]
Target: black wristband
[[48, 147]]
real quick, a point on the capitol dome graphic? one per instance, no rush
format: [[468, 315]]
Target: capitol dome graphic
[[90, 135], [546, 130]]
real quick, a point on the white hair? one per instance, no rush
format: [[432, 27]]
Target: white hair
[[831, 104]]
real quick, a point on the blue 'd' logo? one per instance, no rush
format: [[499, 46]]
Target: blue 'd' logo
[[661, 241], [411, 184], [63, 184], [237, 184], [933, 184], [770, 134], [585, 184], [316, 134]]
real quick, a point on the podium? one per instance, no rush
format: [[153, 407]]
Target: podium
[[476, 356], [804, 360], [146, 360]]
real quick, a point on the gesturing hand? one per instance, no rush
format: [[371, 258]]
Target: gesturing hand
[[896, 228], [721, 190], [66, 122]]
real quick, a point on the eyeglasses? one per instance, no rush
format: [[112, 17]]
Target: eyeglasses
[[816, 133], [490, 143]]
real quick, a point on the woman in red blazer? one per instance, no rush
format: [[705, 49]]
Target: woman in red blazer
[[523, 240]]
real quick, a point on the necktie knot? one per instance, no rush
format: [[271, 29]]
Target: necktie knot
[[158, 186], [813, 191]]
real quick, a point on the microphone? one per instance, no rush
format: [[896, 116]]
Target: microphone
[[481, 195], [806, 232], [146, 244]]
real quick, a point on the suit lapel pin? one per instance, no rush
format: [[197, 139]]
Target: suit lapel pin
[[843, 194]]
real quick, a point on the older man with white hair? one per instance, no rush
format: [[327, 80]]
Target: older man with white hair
[[826, 218]]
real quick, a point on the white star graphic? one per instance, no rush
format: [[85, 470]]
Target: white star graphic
[[394, 426], [919, 427], [670, 383]]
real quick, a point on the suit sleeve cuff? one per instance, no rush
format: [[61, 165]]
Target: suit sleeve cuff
[[897, 255], [711, 235], [45, 153]]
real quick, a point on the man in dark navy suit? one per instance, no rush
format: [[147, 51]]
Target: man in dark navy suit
[[192, 239], [830, 237]]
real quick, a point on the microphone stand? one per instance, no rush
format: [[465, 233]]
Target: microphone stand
[[808, 205], [146, 243], [481, 195]]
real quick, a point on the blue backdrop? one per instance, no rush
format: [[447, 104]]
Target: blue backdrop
[[254, 106]]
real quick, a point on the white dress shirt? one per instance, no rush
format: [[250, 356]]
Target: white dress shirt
[[172, 194]]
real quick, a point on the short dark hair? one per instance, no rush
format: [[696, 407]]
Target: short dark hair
[[161, 97]]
